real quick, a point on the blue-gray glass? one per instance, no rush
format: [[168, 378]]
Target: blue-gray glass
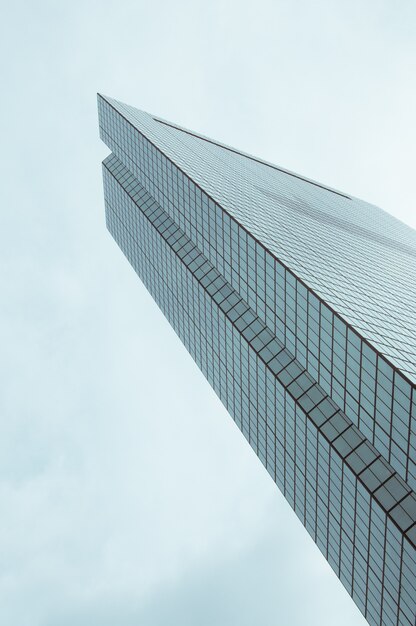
[[296, 302]]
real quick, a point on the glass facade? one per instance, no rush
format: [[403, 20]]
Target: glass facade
[[308, 354]]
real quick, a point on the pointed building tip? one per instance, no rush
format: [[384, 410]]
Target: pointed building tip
[[107, 99], [104, 97]]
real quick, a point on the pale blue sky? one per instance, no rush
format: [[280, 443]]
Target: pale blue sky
[[127, 494]]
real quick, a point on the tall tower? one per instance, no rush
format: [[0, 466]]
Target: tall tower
[[298, 304]]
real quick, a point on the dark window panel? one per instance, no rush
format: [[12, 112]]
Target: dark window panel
[[411, 535], [348, 441], [271, 350], [335, 426], [300, 385], [280, 361], [323, 411], [362, 457], [404, 513], [376, 474], [311, 398], [262, 339], [389, 494], [291, 371]]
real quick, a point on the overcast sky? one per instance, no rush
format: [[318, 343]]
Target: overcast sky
[[127, 494]]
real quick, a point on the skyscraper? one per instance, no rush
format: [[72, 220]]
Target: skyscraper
[[298, 304]]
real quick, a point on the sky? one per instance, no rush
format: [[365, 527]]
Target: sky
[[127, 494]]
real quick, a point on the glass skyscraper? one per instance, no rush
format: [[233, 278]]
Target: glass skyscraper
[[298, 304]]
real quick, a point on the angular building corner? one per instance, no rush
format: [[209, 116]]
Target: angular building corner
[[298, 304]]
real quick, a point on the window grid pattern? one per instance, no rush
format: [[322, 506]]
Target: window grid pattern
[[373, 394], [314, 459], [371, 284]]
